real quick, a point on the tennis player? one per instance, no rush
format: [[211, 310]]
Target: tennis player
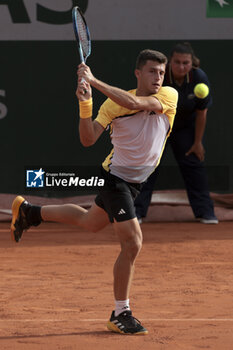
[[141, 121]]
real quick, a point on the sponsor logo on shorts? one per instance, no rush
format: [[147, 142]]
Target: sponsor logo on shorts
[[121, 212]]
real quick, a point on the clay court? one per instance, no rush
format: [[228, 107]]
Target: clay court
[[56, 288]]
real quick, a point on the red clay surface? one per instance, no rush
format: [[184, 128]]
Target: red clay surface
[[56, 288]]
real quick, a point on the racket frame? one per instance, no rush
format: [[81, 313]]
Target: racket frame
[[76, 31]]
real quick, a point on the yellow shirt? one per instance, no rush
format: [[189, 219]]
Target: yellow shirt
[[138, 137]]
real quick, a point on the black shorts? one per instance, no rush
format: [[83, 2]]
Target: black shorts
[[117, 197]]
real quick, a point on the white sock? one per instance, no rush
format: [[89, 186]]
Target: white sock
[[121, 306]]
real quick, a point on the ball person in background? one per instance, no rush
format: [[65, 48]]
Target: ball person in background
[[183, 73], [140, 120]]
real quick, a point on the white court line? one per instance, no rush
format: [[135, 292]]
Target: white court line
[[144, 320]]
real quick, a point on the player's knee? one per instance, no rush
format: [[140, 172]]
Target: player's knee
[[133, 247], [136, 248]]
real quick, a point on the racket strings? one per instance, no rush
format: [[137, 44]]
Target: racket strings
[[83, 36]]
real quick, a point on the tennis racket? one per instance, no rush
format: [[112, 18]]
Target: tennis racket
[[82, 34]]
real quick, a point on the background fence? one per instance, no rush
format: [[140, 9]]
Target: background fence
[[39, 112]]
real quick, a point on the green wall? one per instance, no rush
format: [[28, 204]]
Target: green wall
[[41, 126]]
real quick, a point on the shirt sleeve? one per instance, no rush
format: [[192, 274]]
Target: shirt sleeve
[[105, 114], [111, 110], [168, 97]]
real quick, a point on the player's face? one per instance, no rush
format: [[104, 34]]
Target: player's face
[[181, 64], [150, 77]]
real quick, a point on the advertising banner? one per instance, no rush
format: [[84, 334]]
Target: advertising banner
[[117, 20], [220, 8]]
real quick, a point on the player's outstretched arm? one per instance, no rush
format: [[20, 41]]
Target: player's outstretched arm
[[89, 130], [119, 96]]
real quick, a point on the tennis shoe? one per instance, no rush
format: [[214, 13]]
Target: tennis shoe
[[19, 221], [125, 323]]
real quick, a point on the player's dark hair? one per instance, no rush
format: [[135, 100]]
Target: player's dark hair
[[150, 55], [185, 47]]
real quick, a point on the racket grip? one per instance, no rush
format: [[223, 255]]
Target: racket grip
[[84, 91]]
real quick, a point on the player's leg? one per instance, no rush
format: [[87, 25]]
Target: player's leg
[[25, 215], [119, 204], [130, 237], [92, 219]]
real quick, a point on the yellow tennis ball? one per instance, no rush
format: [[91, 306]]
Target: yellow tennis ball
[[201, 90]]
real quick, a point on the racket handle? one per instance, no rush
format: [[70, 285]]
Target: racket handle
[[84, 90]]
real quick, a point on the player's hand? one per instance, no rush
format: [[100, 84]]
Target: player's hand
[[85, 73], [198, 150], [84, 91]]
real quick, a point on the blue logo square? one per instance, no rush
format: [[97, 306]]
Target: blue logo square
[[35, 178]]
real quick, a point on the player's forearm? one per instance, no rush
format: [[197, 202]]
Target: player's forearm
[[119, 96], [200, 125], [89, 131], [86, 132]]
